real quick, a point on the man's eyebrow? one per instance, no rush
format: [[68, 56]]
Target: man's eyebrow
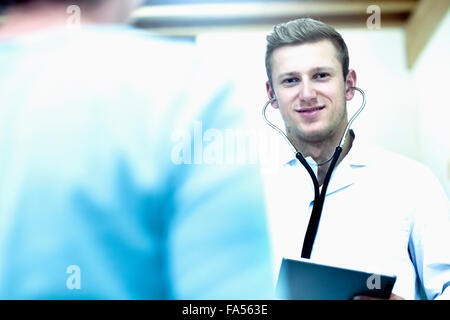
[[289, 74], [319, 69], [313, 70]]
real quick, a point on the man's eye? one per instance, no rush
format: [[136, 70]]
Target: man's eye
[[290, 81], [322, 75]]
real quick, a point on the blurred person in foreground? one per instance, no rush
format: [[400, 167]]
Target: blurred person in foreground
[[383, 212], [96, 201]]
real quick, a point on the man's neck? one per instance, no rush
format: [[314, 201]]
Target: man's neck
[[323, 151]]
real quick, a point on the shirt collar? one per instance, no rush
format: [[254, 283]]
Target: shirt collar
[[356, 157]]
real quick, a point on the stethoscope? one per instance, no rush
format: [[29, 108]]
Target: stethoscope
[[319, 196]]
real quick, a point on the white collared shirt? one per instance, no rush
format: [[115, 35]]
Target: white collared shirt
[[378, 205]]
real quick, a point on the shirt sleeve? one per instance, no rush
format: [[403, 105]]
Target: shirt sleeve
[[430, 238]]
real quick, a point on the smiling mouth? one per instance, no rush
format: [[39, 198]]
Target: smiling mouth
[[306, 110]]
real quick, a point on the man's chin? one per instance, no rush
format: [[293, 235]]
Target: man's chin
[[313, 136]]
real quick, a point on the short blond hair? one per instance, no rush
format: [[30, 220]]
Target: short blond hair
[[304, 30]]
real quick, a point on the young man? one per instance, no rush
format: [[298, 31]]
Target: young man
[[383, 213], [92, 203]]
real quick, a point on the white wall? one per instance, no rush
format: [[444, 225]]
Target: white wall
[[431, 87], [397, 115], [390, 117]]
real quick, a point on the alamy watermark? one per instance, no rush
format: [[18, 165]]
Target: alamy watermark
[[213, 146], [373, 22], [374, 282], [74, 280], [74, 19]]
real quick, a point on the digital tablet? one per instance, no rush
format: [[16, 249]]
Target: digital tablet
[[304, 280]]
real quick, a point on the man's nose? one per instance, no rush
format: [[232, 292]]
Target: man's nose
[[307, 91]]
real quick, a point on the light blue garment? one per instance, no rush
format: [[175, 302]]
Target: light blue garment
[[91, 194]]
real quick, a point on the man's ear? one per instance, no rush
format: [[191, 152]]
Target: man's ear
[[350, 82], [271, 95]]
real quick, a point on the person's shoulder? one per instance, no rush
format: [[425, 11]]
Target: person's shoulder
[[124, 42], [115, 56], [125, 36], [381, 156], [403, 169], [99, 49]]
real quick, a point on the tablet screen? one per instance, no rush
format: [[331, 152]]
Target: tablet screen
[[304, 280]]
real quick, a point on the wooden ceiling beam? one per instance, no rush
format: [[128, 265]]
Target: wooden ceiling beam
[[188, 28], [421, 26], [168, 14]]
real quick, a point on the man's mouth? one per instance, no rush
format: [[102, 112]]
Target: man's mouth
[[311, 109]]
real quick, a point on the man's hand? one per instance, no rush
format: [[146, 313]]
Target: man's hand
[[392, 297]]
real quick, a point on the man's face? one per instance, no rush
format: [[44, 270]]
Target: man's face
[[310, 89]]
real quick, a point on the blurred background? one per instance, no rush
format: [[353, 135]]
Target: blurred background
[[400, 56]]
